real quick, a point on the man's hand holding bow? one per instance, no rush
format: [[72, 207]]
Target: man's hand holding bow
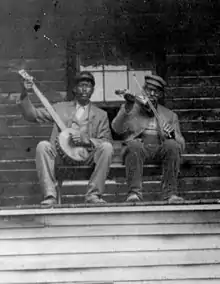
[[168, 130]]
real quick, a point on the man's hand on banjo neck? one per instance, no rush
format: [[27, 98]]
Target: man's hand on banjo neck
[[26, 88]]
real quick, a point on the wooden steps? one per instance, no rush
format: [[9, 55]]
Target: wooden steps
[[199, 179], [193, 92], [117, 244]]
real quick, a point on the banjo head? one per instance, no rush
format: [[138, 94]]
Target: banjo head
[[78, 154]]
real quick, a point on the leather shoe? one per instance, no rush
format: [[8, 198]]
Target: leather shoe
[[133, 197], [174, 199], [48, 201], [94, 199]]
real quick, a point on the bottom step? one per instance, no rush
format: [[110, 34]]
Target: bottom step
[[191, 189]]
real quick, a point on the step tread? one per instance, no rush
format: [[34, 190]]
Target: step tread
[[37, 210]]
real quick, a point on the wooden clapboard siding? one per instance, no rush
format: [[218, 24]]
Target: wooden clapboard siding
[[137, 244]]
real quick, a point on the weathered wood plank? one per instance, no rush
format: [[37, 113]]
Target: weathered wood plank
[[39, 75], [194, 64], [52, 95], [24, 44], [193, 91], [90, 218], [149, 198], [32, 64], [30, 221], [108, 230], [193, 197], [193, 80], [193, 58], [109, 260], [7, 87], [116, 171], [193, 103], [187, 69], [198, 48], [185, 281], [108, 244], [186, 185], [177, 273]]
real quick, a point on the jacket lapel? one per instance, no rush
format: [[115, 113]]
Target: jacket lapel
[[72, 117], [91, 118]]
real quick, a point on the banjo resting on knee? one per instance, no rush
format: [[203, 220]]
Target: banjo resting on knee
[[69, 153]]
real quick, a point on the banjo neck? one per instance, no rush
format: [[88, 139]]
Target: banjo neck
[[44, 100]]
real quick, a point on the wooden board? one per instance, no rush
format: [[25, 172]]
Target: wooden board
[[109, 260], [39, 75], [194, 64], [116, 171], [186, 185], [108, 230], [193, 80], [193, 91], [108, 244], [7, 87], [200, 197], [185, 281], [34, 64], [178, 273]]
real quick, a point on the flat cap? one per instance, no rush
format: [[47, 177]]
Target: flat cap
[[85, 75], [155, 81]]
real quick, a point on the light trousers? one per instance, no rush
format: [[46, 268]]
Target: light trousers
[[46, 162]]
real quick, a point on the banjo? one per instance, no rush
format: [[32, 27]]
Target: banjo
[[69, 153]]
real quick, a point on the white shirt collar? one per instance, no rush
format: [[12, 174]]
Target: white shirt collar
[[80, 106]]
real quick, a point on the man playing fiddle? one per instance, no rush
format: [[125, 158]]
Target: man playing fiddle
[[147, 138]]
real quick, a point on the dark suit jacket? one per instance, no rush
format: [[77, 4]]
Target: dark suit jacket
[[98, 123], [132, 124]]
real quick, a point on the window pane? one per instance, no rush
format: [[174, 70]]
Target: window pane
[[115, 80], [91, 68], [98, 94]]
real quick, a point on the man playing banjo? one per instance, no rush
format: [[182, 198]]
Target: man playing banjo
[[92, 133], [149, 135]]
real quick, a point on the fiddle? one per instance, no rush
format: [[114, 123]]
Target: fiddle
[[131, 96], [144, 99]]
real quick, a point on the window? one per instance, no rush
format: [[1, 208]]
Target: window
[[111, 73]]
